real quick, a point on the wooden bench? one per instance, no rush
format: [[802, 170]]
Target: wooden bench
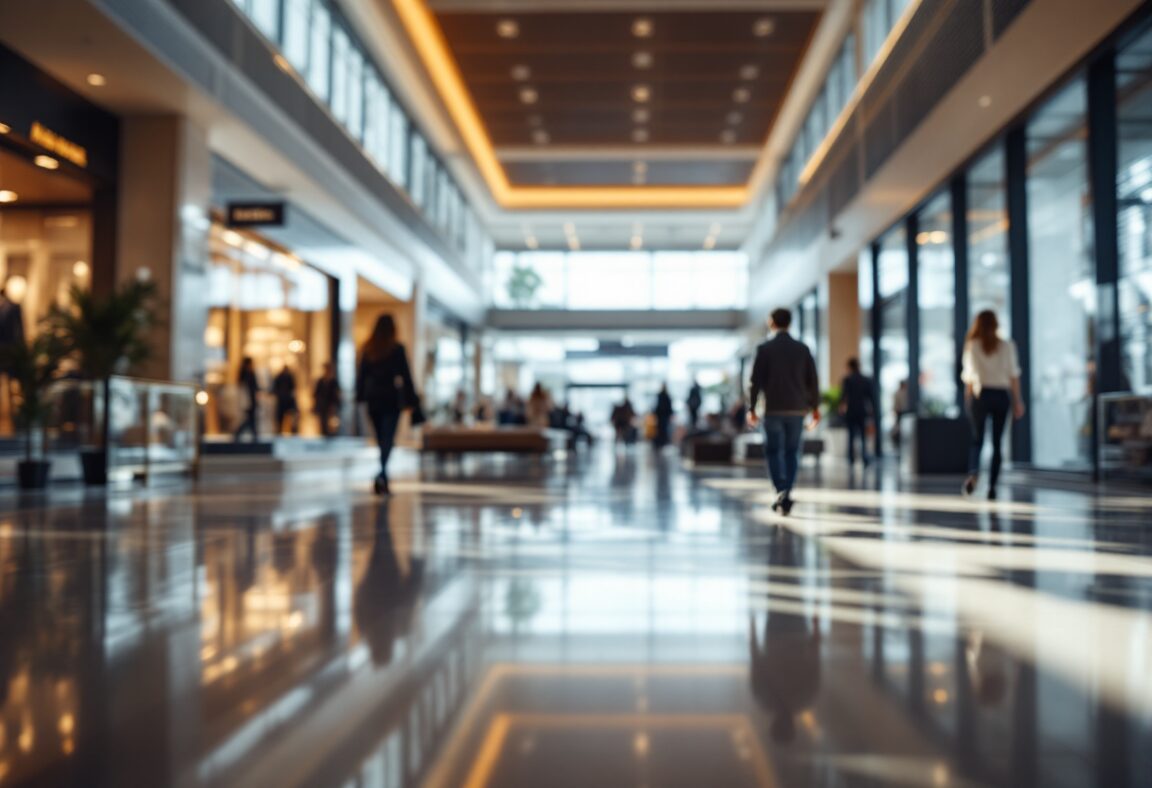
[[507, 440]]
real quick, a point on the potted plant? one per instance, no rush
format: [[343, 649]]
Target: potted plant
[[33, 364], [106, 335]]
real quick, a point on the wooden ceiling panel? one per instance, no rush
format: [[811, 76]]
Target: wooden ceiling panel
[[696, 79]]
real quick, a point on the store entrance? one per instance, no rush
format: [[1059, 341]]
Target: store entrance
[[45, 248]]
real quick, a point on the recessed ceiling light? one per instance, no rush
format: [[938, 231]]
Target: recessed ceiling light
[[640, 115], [763, 27], [521, 72], [639, 167], [735, 117], [47, 162], [529, 95], [640, 135], [531, 242], [97, 80], [642, 59], [8, 196], [574, 244], [728, 136], [749, 72], [642, 27], [5, 128], [641, 93], [507, 28], [985, 101], [710, 242], [80, 269], [637, 242], [741, 95], [540, 137]]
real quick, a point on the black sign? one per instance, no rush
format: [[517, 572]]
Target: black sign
[[256, 214]]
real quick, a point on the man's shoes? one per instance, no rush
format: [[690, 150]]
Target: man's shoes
[[969, 487]]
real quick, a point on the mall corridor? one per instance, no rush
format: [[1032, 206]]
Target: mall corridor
[[611, 619]]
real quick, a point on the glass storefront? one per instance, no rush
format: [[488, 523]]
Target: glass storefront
[[1061, 281], [892, 301], [937, 305], [867, 304], [268, 305], [1134, 190], [989, 273]]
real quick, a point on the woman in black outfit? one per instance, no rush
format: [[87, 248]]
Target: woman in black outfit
[[384, 384], [248, 384]]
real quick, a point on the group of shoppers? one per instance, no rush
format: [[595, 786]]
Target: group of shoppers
[[326, 400]]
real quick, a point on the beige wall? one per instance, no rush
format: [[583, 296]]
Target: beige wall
[[842, 324]]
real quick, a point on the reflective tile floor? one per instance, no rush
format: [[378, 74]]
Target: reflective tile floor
[[612, 619]]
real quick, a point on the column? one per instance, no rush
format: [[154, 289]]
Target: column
[[165, 193], [842, 325]]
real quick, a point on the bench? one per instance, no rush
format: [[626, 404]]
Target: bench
[[507, 440]]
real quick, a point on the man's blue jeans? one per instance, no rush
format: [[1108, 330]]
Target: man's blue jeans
[[782, 449]]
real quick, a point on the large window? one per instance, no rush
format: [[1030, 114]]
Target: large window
[[1061, 282], [989, 274], [1134, 183], [936, 292], [867, 305], [640, 280]]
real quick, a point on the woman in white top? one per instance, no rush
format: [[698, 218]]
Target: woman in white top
[[991, 378]]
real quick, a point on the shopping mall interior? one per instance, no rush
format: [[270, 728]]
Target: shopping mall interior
[[378, 386]]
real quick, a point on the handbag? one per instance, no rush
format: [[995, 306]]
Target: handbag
[[416, 416]]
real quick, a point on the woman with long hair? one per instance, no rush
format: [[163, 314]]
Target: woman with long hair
[[384, 385], [991, 377]]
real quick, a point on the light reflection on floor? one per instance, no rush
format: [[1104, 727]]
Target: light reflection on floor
[[610, 619]]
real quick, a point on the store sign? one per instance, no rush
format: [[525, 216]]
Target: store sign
[[54, 143], [256, 214]]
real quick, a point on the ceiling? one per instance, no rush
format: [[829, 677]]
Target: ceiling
[[35, 186], [614, 105]]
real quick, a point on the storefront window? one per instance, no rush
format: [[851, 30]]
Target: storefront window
[[989, 275], [1134, 184], [892, 301], [1062, 282], [867, 304], [937, 303], [272, 307]]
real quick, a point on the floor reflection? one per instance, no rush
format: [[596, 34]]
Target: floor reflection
[[608, 619]]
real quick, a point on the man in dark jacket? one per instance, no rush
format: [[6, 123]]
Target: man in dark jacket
[[858, 406], [785, 373]]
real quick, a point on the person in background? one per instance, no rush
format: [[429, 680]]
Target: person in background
[[249, 389], [858, 407], [694, 401], [326, 401], [284, 389], [384, 385], [785, 373], [663, 413], [991, 376], [512, 411], [899, 408], [623, 418], [539, 410], [460, 407]]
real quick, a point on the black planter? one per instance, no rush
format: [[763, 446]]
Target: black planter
[[94, 464], [33, 474], [941, 445]]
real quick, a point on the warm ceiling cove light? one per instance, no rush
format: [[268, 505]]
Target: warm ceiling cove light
[[741, 95], [642, 60], [529, 95], [641, 93], [763, 27], [749, 72], [521, 72], [47, 162], [5, 128], [97, 80], [8, 196], [507, 28], [642, 27]]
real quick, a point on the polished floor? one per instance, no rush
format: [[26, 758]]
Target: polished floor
[[611, 619]]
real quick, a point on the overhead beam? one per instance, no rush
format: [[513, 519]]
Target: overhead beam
[[568, 6]]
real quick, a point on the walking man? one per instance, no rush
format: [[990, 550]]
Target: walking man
[[785, 373]]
